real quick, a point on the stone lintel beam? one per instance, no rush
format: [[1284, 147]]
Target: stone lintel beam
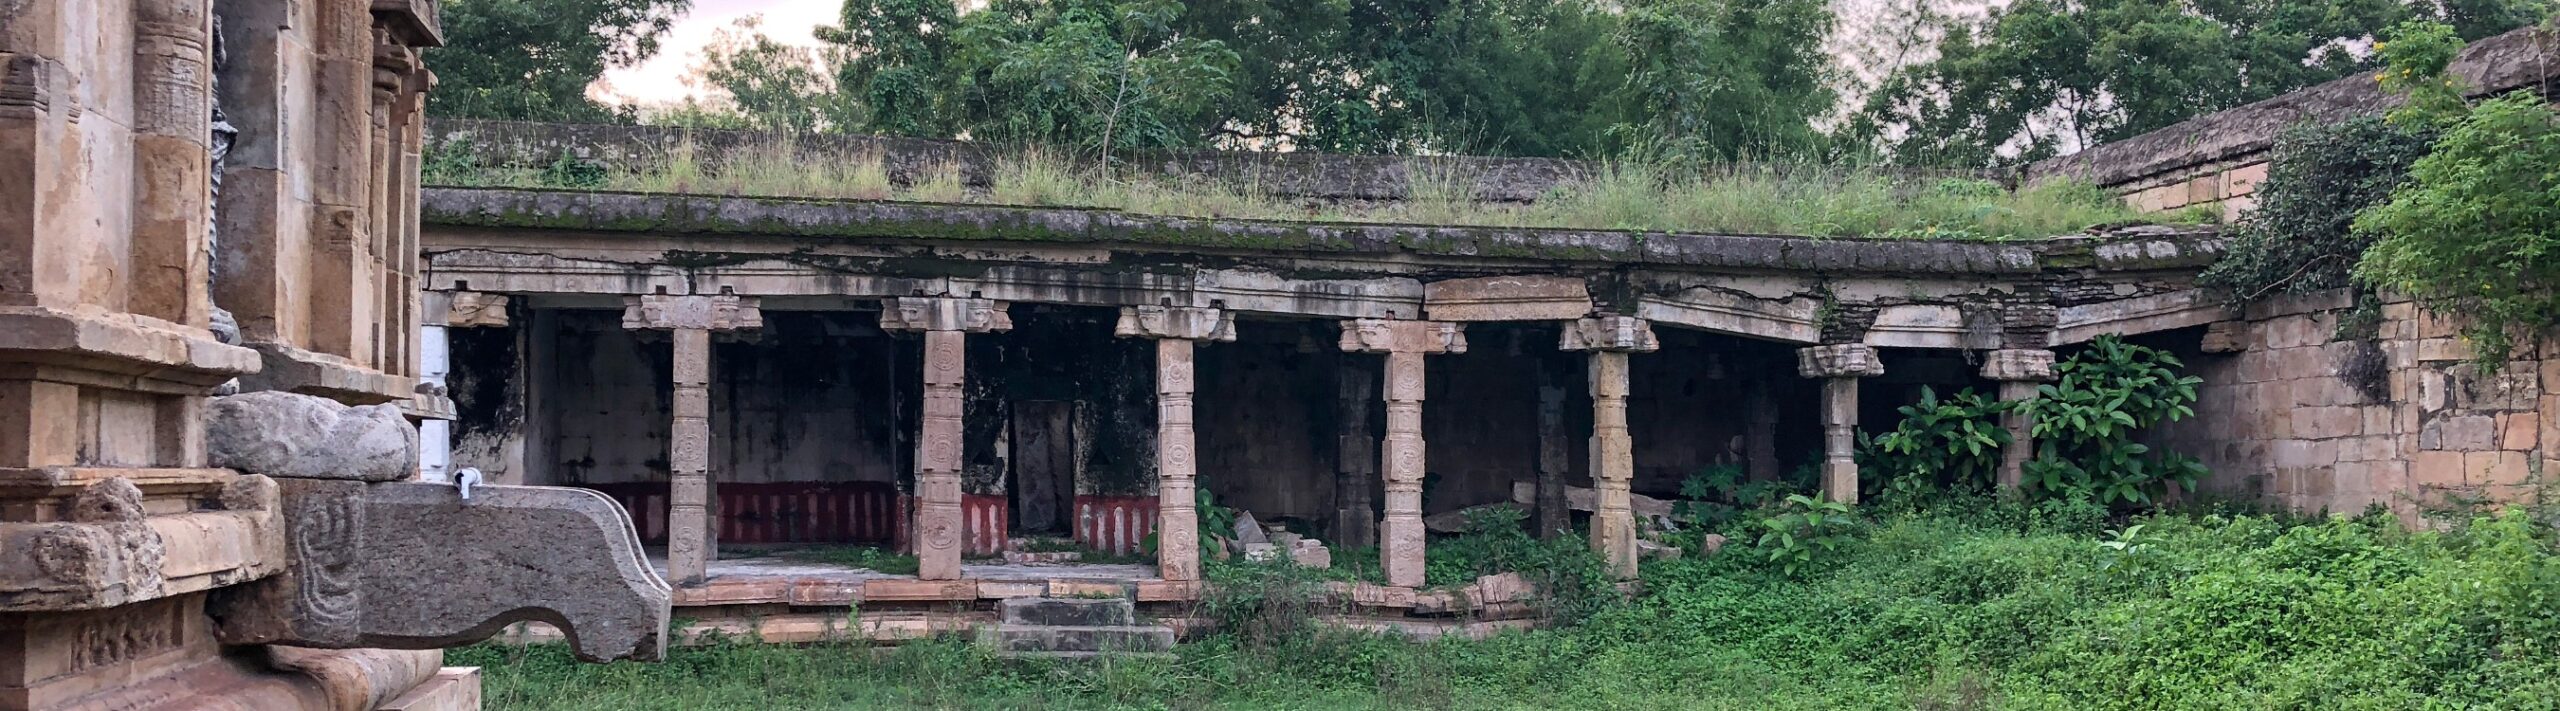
[[1401, 533], [708, 312], [1516, 297], [1176, 322], [944, 313], [1839, 366], [1621, 334], [2018, 371]]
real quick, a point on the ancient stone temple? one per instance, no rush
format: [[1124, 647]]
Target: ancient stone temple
[[201, 198]]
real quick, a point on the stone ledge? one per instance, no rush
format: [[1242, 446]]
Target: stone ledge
[[451, 689], [120, 344], [296, 370], [610, 212]]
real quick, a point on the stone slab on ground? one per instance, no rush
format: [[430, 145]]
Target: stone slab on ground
[[1067, 612]]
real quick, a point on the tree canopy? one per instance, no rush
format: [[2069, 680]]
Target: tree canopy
[[1714, 79], [533, 59]]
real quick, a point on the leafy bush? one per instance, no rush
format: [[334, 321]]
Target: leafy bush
[[2085, 421], [1938, 445], [2300, 237], [1804, 532], [2476, 231], [1576, 580]]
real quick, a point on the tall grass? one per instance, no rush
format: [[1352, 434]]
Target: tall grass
[[1763, 198]]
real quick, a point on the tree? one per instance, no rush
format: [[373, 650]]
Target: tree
[[533, 59], [1725, 79], [771, 86], [2043, 76], [1097, 74], [893, 68]]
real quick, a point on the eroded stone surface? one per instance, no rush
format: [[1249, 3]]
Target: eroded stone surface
[[297, 436], [412, 565]]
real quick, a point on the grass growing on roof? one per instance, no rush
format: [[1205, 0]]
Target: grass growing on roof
[[1763, 198]]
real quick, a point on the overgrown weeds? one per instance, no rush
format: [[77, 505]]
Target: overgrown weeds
[[1763, 198]]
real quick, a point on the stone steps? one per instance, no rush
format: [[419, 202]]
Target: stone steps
[[1049, 626], [1011, 639]]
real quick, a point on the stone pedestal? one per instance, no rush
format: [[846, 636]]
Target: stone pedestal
[[2019, 371], [692, 509], [1839, 366], [1177, 514], [1404, 343], [946, 323], [1613, 466]]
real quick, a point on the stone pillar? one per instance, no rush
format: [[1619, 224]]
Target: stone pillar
[[1404, 343], [1839, 366], [692, 537], [1759, 432], [946, 322], [2018, 370], [1613, 466], [1175, 328], [1553, 517], [1355, 510]]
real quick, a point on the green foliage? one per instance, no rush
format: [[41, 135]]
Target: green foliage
[[1716, 496], [2085, 422], [1095, 74], [1718, 80], [2300, 237], [763, 85], [2415, 57], [2044, 76], [2476, 230], [876, 559], [1938, 444], [2203, 611], [533, 59], [1576, 581], [1803, 532]]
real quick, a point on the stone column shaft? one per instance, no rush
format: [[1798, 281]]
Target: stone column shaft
[[1613, 465], [1401, 534], [2018, 370], [946, 323], [1178, 524], [1355, 510], [1553, 517], [693, 510], [1839, 366], [689, 529], [1402, 460], [938, 519]]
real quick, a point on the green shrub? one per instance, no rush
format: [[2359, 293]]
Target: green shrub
[[2301, 236], [2085, 422], [2476, 231], [1938, 445]]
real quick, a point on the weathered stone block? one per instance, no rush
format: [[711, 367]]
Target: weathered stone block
[[412, 565], [1522, 297], [2327, 422], [2519, 431], [1176, 322], [1845, 360], [2496, 468], [709, 312], [2436, 469], [297, 436], [1620, 334], [2465, 433]]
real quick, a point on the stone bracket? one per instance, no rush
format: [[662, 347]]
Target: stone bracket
[[712, 312], [1375, 335], [2018, 364], [1622, 334], [1843, 360], [1176, 322], [411, 565], [944, 313], [472, 309]]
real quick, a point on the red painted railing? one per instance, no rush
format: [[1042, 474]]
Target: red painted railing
[[1118, 524], [788, 512]]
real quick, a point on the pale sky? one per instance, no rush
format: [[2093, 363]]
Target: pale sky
[[661, 79]]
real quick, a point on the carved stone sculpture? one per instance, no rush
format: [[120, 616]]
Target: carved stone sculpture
[[291, 435]]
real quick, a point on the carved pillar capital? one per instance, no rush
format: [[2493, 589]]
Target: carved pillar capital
[[1176, 322], [1377, 335], [944, 313], [472, 309], [2018, 364], [714, 312], [1622, 334], [1842, 360]]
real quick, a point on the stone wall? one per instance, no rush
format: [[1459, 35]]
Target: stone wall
[[2216, 160], [2293, 414]]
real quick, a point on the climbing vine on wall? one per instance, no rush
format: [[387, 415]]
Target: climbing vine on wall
[[2301, 236]]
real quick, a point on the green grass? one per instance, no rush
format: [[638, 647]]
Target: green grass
[[2002, 607], [1792, 199]]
